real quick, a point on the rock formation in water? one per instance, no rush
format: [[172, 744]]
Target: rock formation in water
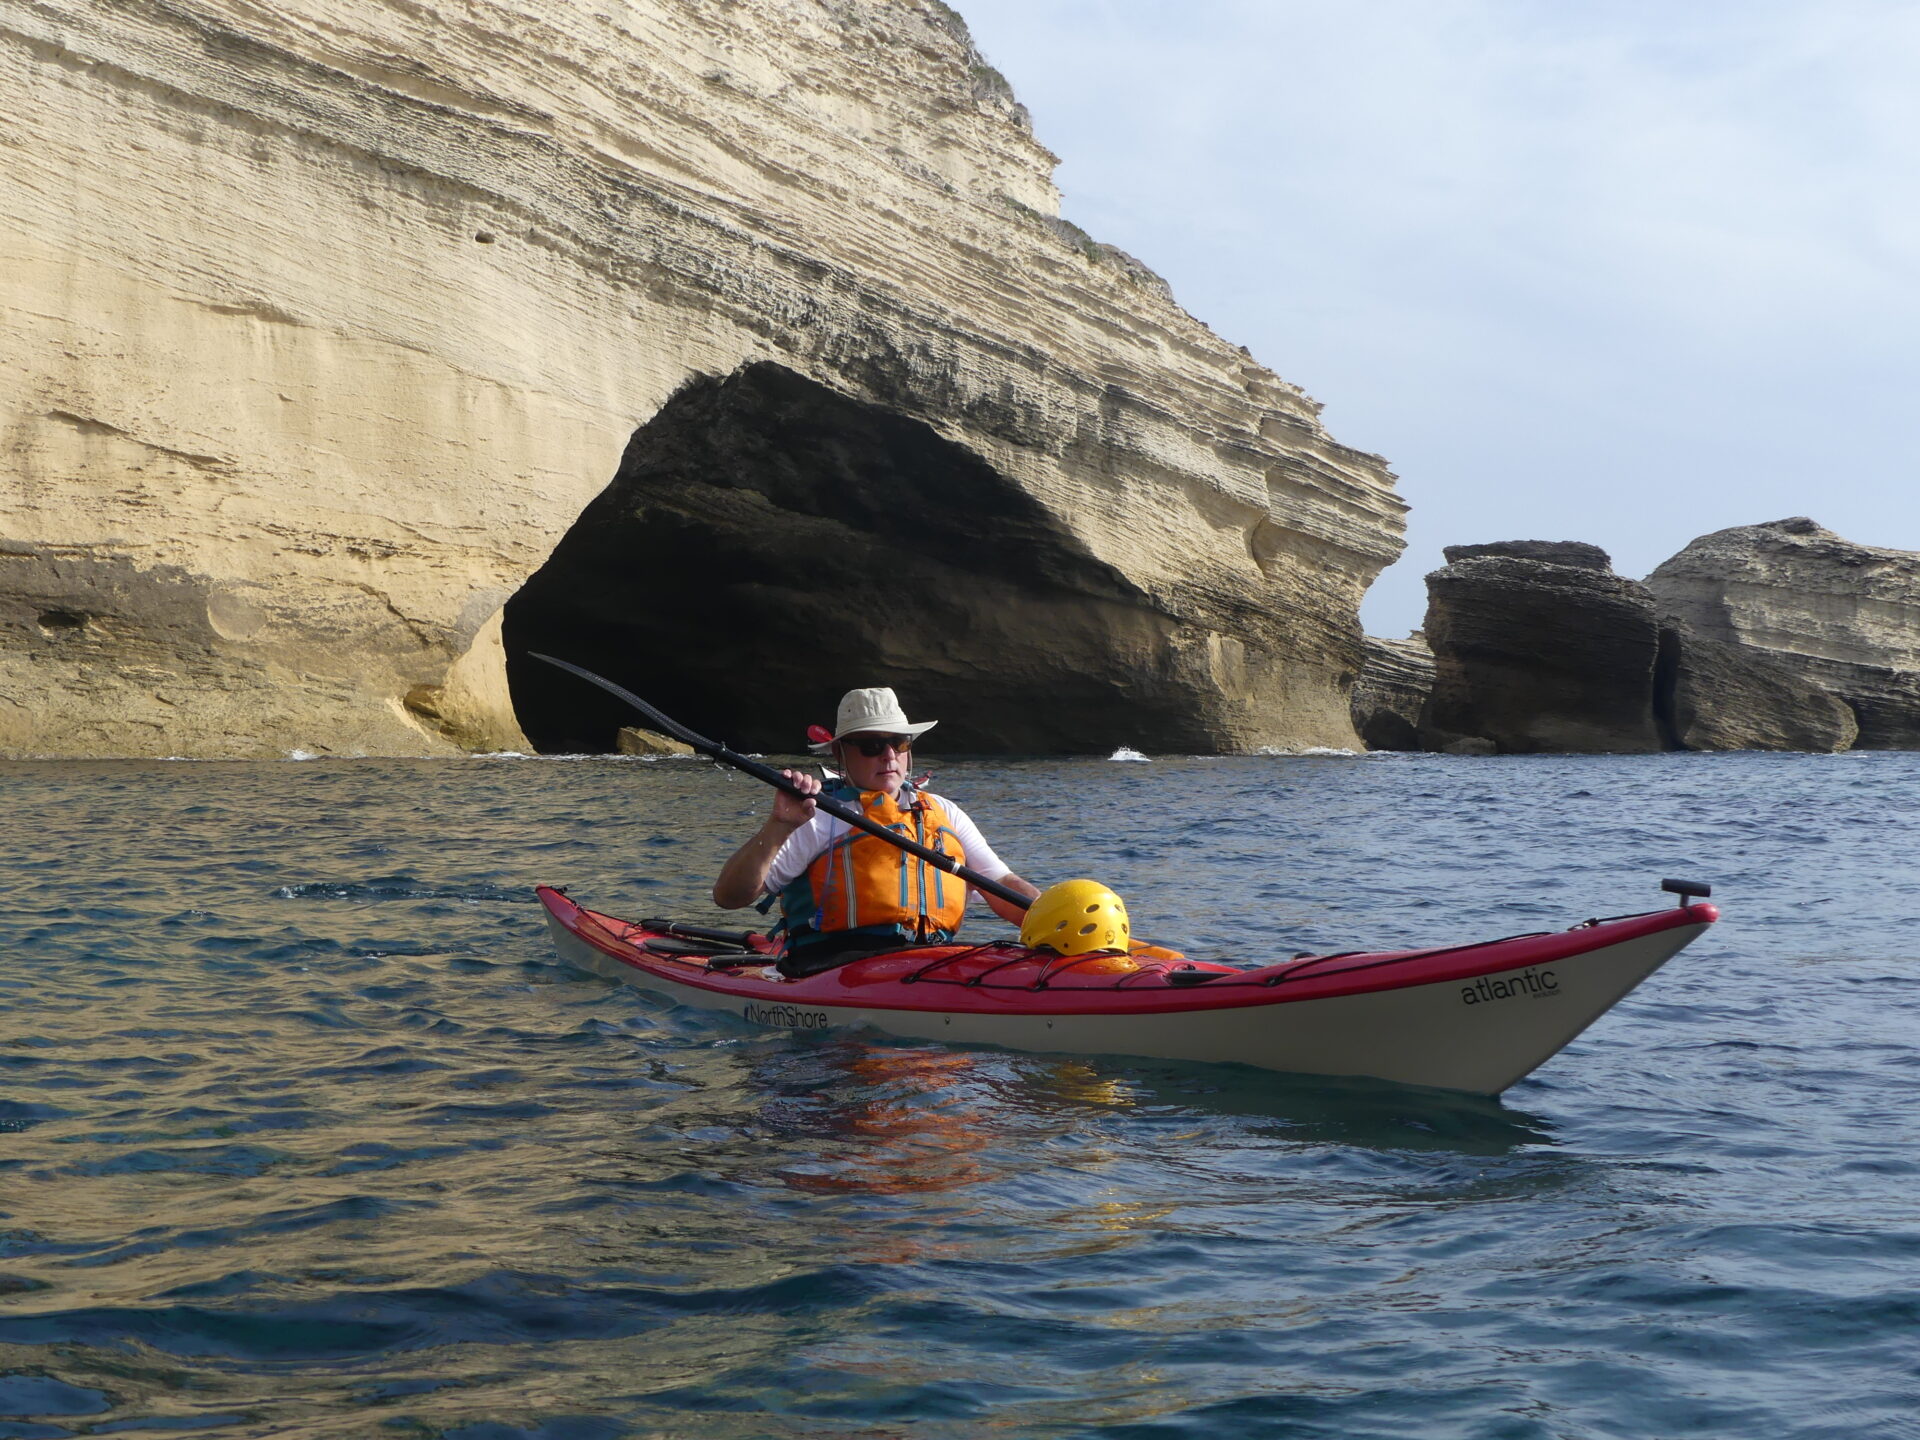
[[1538, 646], [1844, 615], [1533, 656], [1710, 695], [327, 321], [631, 740], [1391, 693]]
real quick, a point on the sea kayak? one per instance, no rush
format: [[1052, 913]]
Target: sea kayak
[[1472, 1018]]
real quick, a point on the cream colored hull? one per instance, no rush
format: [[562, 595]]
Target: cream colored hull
[[1478, 1036]]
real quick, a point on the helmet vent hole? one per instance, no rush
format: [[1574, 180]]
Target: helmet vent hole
[[1086, 929], [1094, 909]]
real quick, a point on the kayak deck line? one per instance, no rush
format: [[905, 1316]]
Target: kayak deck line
[[1473, 1017], [1220, 974]]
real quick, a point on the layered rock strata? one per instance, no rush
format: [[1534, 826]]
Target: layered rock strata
[[762, 517], [1531, 656], [1846, 616], [1709, 695], [325, 322], [1535, 654], [1391, 694], [1577, 553]]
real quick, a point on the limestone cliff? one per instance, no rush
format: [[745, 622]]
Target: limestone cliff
[[1845, 615], [326, 321], [1391, 694]]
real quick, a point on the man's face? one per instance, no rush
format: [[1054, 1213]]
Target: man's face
[[883, 770]]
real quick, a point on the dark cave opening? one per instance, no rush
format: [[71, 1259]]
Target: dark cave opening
[[768, 543]]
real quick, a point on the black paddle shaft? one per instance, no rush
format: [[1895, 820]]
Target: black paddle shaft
[[767, 775]]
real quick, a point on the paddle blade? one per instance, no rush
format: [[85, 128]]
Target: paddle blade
[[819, 735]]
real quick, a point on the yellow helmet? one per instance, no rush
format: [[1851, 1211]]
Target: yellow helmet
[[1076, 917]]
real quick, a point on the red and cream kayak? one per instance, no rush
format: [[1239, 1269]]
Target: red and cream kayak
[[1466, 1017]]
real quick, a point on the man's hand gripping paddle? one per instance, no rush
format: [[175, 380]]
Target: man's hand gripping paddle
[[839, 809]]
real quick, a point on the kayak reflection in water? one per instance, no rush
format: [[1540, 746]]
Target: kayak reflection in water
[[843, 893]]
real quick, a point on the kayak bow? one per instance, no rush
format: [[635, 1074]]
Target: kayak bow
[[1474, 1017]]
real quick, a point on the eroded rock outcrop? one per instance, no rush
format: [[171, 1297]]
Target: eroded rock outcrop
[[1710, 695], [325, 322], [1391, 693], [1531, 656], [1538, 646], [1844, 615], [1577, 553], [631, 740]]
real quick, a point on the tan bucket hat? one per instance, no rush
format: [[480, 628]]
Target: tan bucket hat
[[877, 709]]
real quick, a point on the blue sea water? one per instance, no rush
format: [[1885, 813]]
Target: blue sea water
[[303, 1131]]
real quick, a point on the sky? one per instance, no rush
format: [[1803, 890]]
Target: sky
[[1595, 270]]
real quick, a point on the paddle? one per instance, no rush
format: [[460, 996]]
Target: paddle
[[839, 809]]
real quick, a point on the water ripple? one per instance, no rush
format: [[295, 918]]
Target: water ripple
[[307, 1134]]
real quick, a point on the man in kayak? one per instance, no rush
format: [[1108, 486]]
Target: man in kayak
[[843, 893]]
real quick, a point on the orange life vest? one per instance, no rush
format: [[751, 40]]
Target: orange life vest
[[860, 882]]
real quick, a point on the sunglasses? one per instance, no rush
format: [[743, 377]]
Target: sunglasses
[[874, 746]]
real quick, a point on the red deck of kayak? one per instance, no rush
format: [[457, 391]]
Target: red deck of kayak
[[1006, 978]]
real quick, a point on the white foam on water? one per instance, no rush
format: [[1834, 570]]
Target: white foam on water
[[1275, 751], [1126, 752]]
